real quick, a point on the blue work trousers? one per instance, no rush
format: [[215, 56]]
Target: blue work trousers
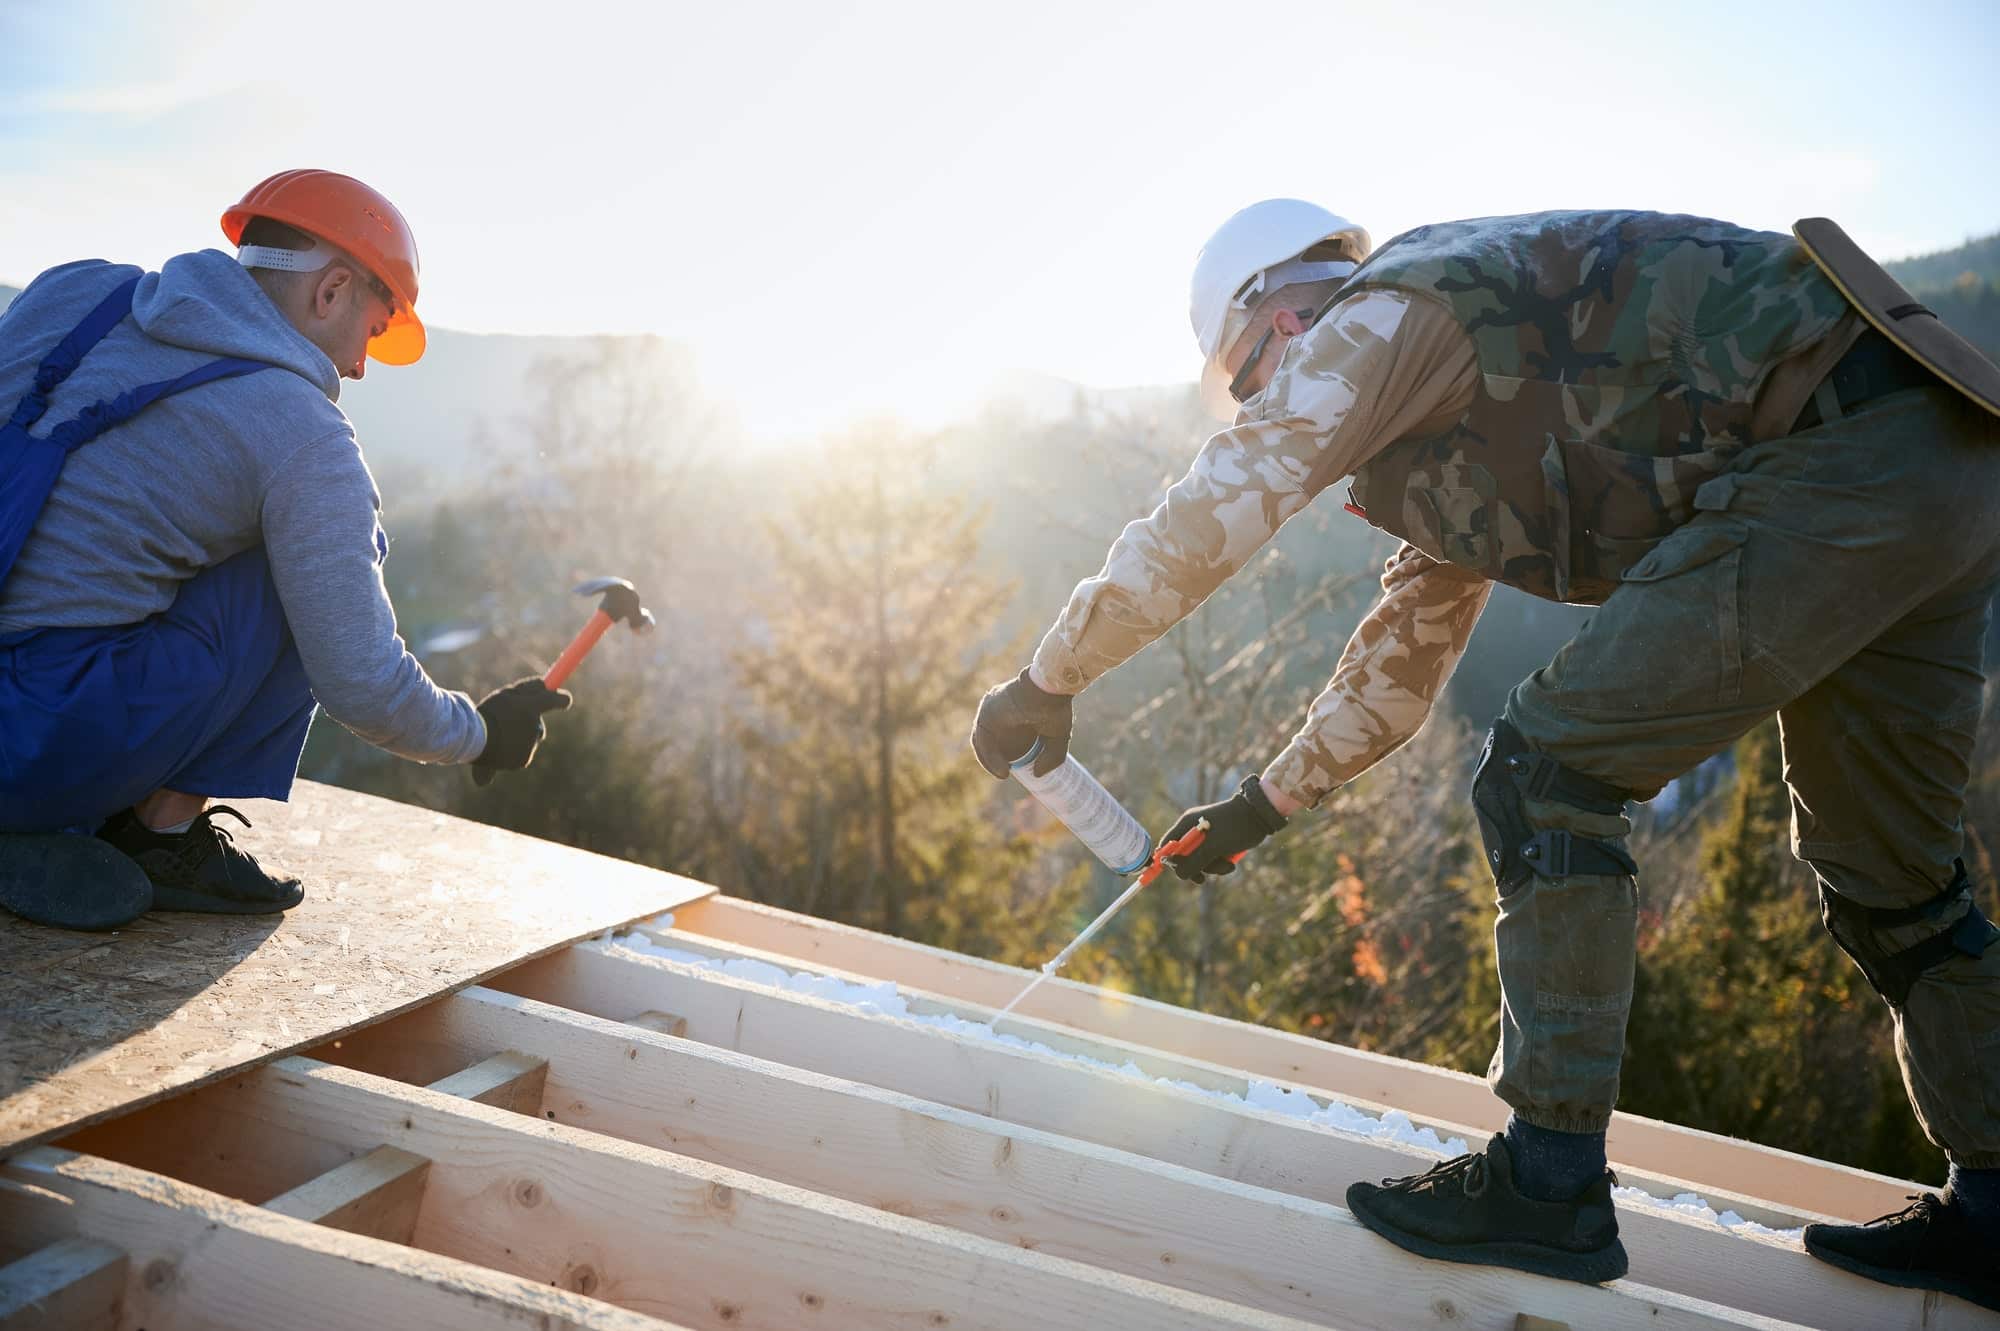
[[207, 698]]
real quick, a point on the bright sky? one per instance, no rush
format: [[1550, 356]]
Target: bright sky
[[855, 207]]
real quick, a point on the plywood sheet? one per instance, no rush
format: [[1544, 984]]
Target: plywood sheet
[[402, 905]]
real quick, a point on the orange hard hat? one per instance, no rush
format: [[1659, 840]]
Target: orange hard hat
[[344, 212]]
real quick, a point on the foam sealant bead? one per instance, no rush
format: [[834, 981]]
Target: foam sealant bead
[[882, 999]]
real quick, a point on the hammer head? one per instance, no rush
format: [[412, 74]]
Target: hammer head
[[621, 601]]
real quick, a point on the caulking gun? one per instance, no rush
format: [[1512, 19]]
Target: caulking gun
[[1082, 804]]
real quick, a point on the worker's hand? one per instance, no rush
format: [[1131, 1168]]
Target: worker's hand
[[1235, 825], [514, 725], [1012, 717]]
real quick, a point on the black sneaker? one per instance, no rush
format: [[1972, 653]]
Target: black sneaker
[[1467, 1210], [202, 869], [1929, 1244], [71, 881]]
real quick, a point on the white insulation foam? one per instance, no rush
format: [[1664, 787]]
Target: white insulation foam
[[882, 999]]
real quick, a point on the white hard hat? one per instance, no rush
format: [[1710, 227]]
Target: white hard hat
[[1253, 253]]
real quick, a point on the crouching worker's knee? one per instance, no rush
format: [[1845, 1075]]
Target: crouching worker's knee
[[1510, 773]]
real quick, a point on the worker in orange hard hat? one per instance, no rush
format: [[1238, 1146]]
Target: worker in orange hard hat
[[190, 556], [344, 222]]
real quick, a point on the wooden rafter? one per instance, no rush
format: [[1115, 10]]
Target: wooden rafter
[[1672, 1252], [625, 1223], [1667, 1150], [1032, 1189], [203, 1262], [1175, 1067], [71, 1285]]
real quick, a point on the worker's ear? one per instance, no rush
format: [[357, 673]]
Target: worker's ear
[[1288, 323], [336, 282]]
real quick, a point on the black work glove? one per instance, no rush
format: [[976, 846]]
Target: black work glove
[[514, 727], [1235, 825], [1009, 721]]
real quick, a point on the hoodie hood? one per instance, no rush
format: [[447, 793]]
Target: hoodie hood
[[207, 302]]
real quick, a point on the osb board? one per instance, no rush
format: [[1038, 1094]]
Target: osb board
[[401, 905]]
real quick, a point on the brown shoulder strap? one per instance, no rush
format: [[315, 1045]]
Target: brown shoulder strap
[[1898, 315]]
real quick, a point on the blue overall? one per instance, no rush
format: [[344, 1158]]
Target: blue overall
[[208, 697]]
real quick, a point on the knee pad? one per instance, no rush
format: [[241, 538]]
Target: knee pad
[[1859, 931], [1516, 849]]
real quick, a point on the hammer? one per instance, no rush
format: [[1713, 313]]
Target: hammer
[[621, 601]]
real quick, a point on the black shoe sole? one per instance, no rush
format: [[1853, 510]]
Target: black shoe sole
[[1585, 1268], [1937, 1280], [71, 882], [207, 903]]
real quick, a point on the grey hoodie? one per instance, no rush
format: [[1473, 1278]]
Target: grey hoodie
[[265, 459]]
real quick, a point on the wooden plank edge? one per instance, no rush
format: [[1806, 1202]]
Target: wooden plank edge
[[205, 1262], [71, 1285], [1669, 1152]]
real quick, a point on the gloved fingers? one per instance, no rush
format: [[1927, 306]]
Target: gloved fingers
[[1181, 828], [556, 700], [997, 750], [1055, 751]]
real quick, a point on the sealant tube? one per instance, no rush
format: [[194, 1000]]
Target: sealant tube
[[1082, 804]]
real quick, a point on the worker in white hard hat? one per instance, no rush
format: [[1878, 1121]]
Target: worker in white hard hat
[[1777, 476]]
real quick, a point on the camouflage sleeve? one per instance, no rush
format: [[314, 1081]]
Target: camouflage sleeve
[[1320, 419], [1389, 676]]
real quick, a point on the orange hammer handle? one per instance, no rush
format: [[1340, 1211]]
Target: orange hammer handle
[[1187, 845], [579, 647]]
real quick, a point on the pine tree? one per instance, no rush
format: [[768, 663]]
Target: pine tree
[[859, 801]]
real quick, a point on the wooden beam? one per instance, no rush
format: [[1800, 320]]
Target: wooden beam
[[1173, 1067], [675, 1237], [507, 1081], [666, 1023], [377, 1194], [1027, 1188], [1666, 1150], [71, 1285], [1192, 1129], [203, 1262]]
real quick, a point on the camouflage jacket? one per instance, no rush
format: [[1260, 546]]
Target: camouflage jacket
[[1620, 360], [1373, 370]]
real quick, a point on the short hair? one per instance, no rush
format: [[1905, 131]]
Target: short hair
[[278, 235]]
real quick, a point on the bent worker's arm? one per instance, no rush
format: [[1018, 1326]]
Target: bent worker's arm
[[323, 540], [1373, 370], [1390, 675]]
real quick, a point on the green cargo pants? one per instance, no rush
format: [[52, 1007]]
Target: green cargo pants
[[1839, 577]]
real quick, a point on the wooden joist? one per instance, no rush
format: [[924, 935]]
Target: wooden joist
[[1174, 1067], [71, 1285], [1198, 1131], [1031, 1189], [203, 1262], [376, 1194], [674, 1237], [507, 1081], [1709, 1161]]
